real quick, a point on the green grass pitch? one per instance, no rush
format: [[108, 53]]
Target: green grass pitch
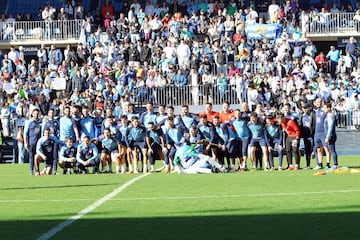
[[251, 205]]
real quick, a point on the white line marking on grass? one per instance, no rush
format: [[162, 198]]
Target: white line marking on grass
[[90, 208], [237, 195], [183, 197]]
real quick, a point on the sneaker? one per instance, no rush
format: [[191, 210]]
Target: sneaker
[[272, 169], [280, 169], [291, 168], [317, 167], [296, 168], [136, 171], [307, 168], [37, 174], [335, 167], [31, 173]]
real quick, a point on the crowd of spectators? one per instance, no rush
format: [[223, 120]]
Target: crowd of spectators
[[200, 49]]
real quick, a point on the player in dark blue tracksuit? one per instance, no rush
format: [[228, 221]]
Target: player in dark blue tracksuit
[[274, 137], [67, 156], [228, 147]]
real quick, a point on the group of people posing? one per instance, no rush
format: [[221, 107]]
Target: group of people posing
[[81, 139]]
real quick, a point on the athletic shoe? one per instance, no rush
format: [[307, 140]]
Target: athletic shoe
[[37, 174], [296, 168], [291, 168], [317, 167], [335, 167], [272, 169], [31, 173], [280, 169], [131, 172], [307, 168], [136, 171]]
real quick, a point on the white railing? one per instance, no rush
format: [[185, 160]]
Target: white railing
[[40, 30], [332, 23], [190, 95]]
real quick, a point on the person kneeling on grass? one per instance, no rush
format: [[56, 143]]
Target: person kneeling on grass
[[112, 152], [87, 156], [156, 147], [188, 160], [67, 156], [45, 151]]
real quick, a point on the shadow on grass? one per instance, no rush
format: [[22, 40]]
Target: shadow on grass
[[56, 186], [280, 226]]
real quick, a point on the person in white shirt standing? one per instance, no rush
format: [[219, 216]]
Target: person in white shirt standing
[[273, 10], [183, 53]]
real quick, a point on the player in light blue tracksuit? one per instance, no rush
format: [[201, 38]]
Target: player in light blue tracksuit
[[274, 138], [46, 151], [173, 137], [87, 156], [330, 137], [243, 135], [257, 137], [320, 134]]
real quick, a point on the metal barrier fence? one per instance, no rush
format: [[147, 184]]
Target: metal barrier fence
[[41, 30], [327, 23], [349, 119], [320, 23], [190, 95]]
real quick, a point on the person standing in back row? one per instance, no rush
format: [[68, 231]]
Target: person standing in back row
[[32, 133], [292, 140], [330, 137]]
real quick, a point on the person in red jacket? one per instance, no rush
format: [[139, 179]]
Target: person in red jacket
[[107, 9], [292, 140]]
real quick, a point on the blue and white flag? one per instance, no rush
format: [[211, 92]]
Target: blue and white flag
[[260, 31]]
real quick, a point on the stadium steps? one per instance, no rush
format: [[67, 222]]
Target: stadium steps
[[7, 150]]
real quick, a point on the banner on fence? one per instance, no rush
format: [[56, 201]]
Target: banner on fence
[[260, 31]]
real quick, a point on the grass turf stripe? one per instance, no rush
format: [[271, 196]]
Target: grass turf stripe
[[185, 197]]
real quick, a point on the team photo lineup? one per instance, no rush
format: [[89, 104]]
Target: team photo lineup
[[225, 139]]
